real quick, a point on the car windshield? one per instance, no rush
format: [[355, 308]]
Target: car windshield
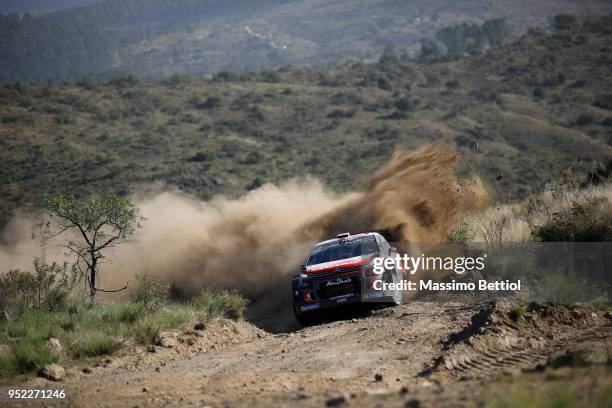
[[343, 249]]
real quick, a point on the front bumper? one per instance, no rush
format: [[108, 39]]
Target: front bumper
[[320, 292]]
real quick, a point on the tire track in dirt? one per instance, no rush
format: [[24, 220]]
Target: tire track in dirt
[[501, 338]]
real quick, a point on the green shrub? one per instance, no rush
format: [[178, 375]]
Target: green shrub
[[220, 303], [67, 324], [270, 76], [64, 118], [24, 118], [17, 330], [564, 288], [200, 157], [567, 21], [177, 79], [45, 289], [538, 93], [151, 292], [597, 175], [397, 115], [384, 83], [405, 104], [147, 334], [604, 102], [95, 346], [339, 114], [584, 119], [31, 355], [16, 290], [212, 102], [257, 114], [26, 355], [253, 157], [389, 57], [461, 234], [130, 312], [517, 312], [256, 183], [454, 84], [225, 76], [176, 293], [124, 81]]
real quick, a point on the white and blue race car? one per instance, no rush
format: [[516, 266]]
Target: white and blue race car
[[340, 271]]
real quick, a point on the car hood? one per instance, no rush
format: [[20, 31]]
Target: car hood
[[341, 263]]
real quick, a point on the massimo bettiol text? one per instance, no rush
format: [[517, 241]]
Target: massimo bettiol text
[[458, 265]]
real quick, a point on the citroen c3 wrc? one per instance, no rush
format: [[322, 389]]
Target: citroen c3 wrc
[[340, 271]]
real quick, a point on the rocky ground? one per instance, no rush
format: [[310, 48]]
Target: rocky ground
[[418, 354]]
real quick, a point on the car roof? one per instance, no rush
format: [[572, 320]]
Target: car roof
[[353, 236]]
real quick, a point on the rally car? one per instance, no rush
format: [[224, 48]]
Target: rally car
[[340, 271]]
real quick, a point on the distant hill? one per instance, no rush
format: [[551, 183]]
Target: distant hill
[[157, 38], [40, 6], [520, 113]]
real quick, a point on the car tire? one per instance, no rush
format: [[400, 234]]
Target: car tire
[[306, 318], [398, 295]]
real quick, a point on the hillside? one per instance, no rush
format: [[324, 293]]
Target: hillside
[[157, 38], [39, 6], [520, 113]]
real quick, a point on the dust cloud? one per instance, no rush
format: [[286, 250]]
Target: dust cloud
[[415, 197], [254, 242], [18, 248], [242, 244]]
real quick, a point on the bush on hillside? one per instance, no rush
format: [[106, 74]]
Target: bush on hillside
[[538, 93], [567, 21], [405, 104], [598, 175]]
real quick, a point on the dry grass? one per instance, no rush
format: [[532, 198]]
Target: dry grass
[[519, 223], [556, 200]]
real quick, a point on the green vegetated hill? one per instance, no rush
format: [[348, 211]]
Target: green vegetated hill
[[157, 38], [39, 6], [520, 113]]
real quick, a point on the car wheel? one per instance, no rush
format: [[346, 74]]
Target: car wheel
[[306, 318], [398, 295]]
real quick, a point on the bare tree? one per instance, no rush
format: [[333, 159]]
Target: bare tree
[[92, 228]]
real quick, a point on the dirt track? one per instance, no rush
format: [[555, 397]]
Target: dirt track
[[416, 352]]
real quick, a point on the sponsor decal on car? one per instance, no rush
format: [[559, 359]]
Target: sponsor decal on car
[[342, 298], [311, 307], [337, 281]]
